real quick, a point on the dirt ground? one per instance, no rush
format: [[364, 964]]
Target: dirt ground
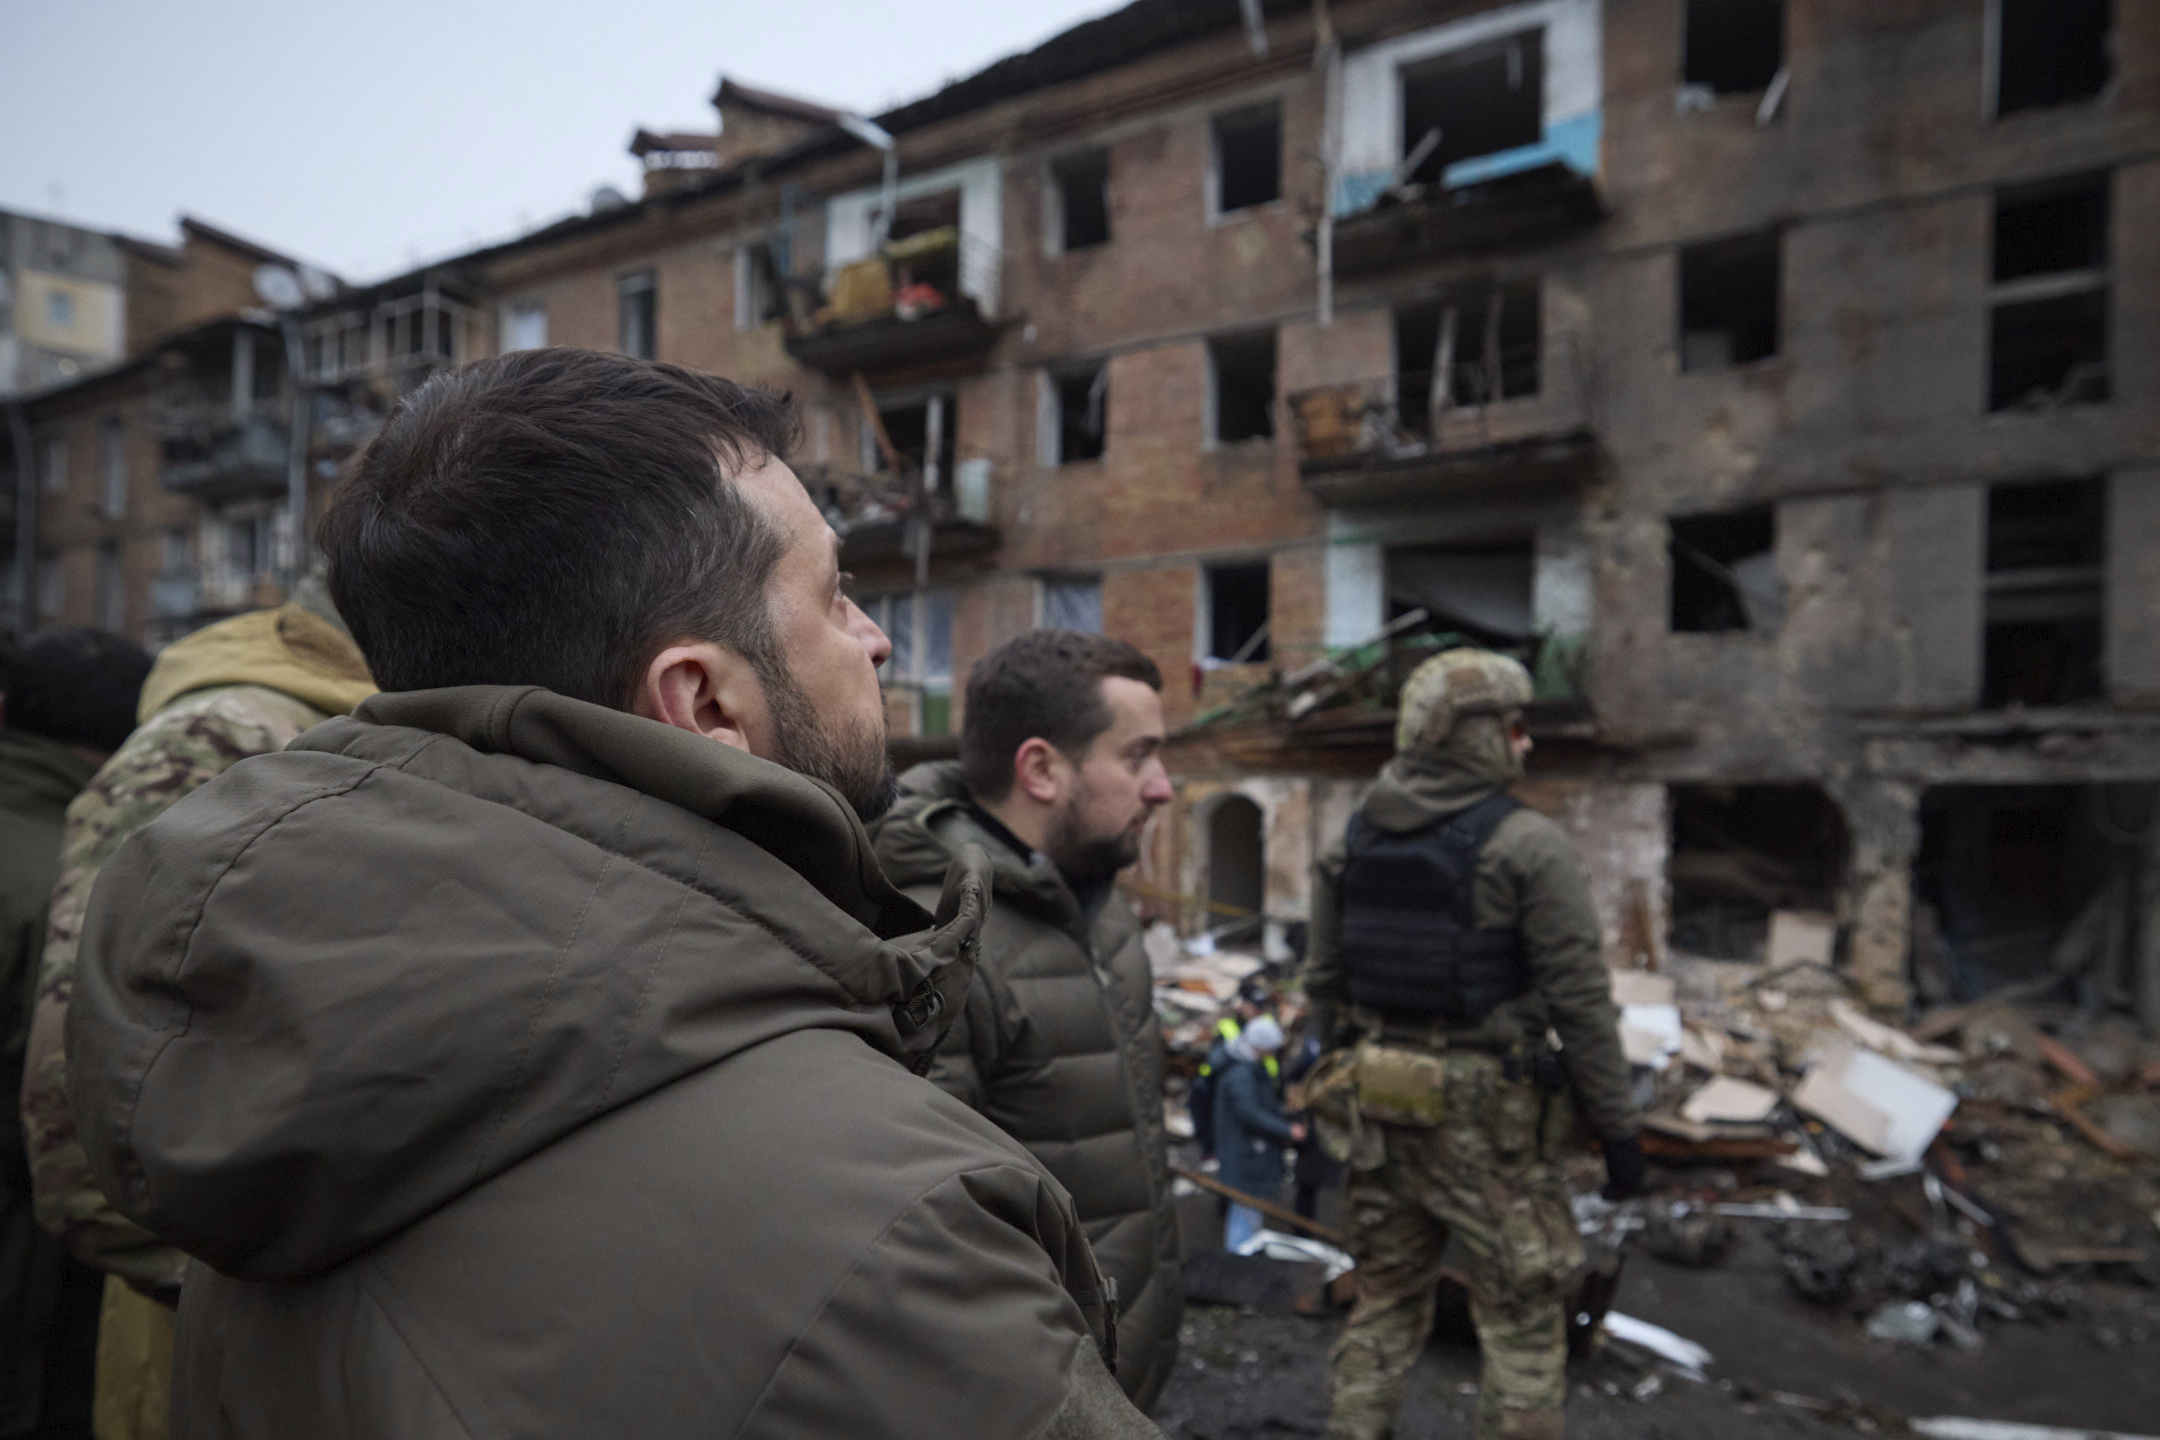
[[1782, 1368]]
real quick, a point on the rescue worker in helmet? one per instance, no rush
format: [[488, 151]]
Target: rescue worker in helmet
[[1452, 930]]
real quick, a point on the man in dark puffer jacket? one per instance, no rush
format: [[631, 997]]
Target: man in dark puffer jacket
[[1058, 1042]]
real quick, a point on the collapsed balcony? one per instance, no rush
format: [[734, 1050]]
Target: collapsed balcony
[[1406, 223], [913, 303], [914, 519], [1401, 439]]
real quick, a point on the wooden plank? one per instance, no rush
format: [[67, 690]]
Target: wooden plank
[[1266, 1207]]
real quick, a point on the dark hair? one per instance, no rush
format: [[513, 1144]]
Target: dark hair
[[1047, 684], [76, 686], [553, 518]]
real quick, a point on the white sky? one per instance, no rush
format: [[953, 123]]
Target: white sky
[[368, 136]]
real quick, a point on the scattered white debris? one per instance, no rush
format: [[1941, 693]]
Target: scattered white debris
[[1799, 937], [1650, 1034], [1724, 1098], [1874, 1101], [1954, 1427], [1274, 1245], [1690, 1358]]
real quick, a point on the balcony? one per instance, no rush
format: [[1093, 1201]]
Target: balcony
[[1378, 443], [885, 522], [211, 453], [1415, 223], [913, 305]]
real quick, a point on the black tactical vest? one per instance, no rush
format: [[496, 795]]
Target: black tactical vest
[[1411, 944]]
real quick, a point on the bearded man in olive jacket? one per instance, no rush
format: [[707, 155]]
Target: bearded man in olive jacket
[[530, 1052], [1058, 1044]]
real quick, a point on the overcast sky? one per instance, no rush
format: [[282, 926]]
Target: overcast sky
[[368, 136]]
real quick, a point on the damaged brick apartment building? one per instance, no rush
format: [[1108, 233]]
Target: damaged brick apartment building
[[1780, 377]]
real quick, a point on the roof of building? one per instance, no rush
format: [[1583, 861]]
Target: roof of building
[[203, 230], [651, 142], [734, 92]]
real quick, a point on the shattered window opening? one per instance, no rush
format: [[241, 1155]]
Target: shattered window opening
[[1248, 158], [1492, 351], [1241, 372], [1237, 618], [1082, 413], [1724, 572], [1733, 47], [1480, 592], [637, 317], [2048, 329], [1081, 185], [764, 288], [1729, 302], [1481, 100], [2045, 611], [909, 425], [2051, 52], [1741, 852]]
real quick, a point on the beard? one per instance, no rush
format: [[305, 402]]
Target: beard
[[1082, 858], [849, 757]]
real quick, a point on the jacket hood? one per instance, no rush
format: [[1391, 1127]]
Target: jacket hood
[[39, 776], [1421, 786], [934, 819], [343, 984], [289, 649]]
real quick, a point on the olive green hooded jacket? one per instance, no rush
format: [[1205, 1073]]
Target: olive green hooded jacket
[[514, 1066], [1058, 1044], [1529, 878]]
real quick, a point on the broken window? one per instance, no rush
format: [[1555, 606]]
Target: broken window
[[637, 328], [1071, 602], [1485, 341], [923, 432], [1729, 302], [1080, 189], [1742, 852], [53, 465], [1078, 413], [1481, 593], [1248, 158], [1475, 101], [1733, 46], [2046, 572], [2048, 329], [2050, 52], [1724, 572], [919, 625], [761, 292], [2014, 883], [1241, 371], [1236, 623]]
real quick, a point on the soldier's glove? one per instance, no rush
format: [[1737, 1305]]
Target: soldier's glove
[[1625, 1168]]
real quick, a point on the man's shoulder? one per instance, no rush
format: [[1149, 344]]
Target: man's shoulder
[[1530, 838]]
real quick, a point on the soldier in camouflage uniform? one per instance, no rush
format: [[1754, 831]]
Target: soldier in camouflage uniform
[[1451, 929], [242, 687]]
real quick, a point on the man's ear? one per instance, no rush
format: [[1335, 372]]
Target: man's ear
[[1039, 771], [710, 691]]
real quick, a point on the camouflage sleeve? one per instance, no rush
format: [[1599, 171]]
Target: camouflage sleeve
[[1566, 953], [192, 740]]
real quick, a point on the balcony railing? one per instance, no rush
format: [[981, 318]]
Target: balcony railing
[[1399, 439], [920, 300], [208, 451], [885, 520], [1425, 222]]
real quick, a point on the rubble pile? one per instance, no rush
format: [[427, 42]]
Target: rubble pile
[[1931, 1181]]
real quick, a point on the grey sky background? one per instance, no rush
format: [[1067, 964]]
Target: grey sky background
[[368, 137]]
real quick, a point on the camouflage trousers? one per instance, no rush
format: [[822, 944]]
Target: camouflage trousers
[[1479, 1175]]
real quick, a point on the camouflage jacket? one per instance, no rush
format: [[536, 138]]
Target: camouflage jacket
[[187, 741]]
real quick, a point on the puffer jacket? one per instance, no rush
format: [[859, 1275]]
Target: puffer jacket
[[1529, 879], [1059, 1045], [515, 1066]]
